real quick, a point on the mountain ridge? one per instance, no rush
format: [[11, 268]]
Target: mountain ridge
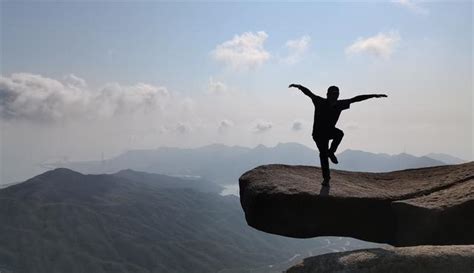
[[224, 164]]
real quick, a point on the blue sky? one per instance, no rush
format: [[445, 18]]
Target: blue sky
[[161, 43], [80, 79]]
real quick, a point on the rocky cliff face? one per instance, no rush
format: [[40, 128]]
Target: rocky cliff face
[[403, 208], [458, 259]]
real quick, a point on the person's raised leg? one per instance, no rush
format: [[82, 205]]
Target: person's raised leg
[[336, 135], [323, 143]]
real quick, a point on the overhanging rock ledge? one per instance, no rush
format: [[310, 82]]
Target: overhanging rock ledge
[[427, 206]]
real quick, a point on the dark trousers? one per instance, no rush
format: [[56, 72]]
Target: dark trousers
[[322, 138]]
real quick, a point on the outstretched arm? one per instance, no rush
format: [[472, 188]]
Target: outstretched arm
[[365, 97], [303, 89]]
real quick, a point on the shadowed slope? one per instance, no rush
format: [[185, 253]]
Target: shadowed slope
[[64, 221]]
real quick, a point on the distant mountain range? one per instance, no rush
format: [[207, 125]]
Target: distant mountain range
[[448, 159], [224, 164], [353, 160], [64, 221]]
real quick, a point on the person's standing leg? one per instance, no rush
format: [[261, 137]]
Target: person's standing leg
[[323, 142]]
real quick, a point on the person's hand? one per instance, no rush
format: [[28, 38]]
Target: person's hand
[[381, 96], [293, 85]]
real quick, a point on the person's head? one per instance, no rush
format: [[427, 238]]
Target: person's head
[[333, 93]]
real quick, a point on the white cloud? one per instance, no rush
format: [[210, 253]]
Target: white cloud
[[115, 99], [297, 125], [225, 125], [296, 49], [411, 5], [29, 96], [262, 126], [73, 81], [182, 128], [380, 45], [34, 97], [216, 87], [244, 51]]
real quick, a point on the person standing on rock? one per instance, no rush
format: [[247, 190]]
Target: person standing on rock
[[326, 113]]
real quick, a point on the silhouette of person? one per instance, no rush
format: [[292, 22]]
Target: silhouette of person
[[326, 113]]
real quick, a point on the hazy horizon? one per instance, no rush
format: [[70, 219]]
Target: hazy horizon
[[91, 80], [59, 163]]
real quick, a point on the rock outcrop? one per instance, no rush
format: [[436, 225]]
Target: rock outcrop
[[429, 259], [428, 206]]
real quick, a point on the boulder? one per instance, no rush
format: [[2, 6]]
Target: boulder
[[403, 208], [429, 259]]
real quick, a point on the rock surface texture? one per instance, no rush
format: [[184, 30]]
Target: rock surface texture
[[428, 206], [432, 259]]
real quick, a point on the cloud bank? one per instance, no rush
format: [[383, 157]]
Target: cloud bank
[[141, 108], [34, 97]]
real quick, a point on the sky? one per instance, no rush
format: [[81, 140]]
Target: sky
[[87, 80]]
